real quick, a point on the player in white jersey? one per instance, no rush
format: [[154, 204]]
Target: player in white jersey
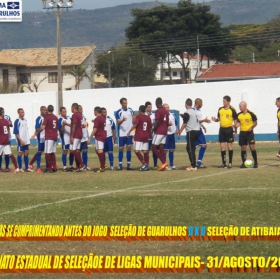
[[64, 126], [7, 157], [111, 137], [22, 136], [84, 144], [201, 141], [170, 145], [124, 118], [149, 113], [40, 139]]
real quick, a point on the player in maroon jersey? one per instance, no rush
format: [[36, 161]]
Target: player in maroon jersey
[[99, 131], [50, 125], [76, 135], [143, 126], [160, 129], [5, 147]]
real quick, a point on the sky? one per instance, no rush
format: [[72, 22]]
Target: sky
[[36, 5]]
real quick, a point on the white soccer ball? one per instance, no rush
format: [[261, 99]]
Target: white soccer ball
[[248, 163]]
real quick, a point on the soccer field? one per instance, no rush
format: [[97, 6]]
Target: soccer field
[[208, 197]]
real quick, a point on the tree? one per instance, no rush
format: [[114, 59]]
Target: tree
[[34, 85], [165, 32], [129, 66], [79, 73]]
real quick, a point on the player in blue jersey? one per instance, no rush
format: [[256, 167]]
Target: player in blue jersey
[[84, 144], [201, 141], [22, 136], [7, 157], [64, 126], [40, 139], [170, 139], [111, 138], [124, 118]]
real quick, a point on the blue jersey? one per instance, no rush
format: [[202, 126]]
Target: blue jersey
[[41, 134]]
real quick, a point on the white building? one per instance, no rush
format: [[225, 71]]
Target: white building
[[26, 69], [176, 68]]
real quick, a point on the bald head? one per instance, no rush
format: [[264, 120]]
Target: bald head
[[165, 106], [243, 106]]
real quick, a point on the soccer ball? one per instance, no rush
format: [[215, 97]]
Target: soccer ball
[[248, 163]]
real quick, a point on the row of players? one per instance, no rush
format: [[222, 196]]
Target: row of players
[[154, 132]]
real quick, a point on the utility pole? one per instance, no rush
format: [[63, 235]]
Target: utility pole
[[59, 68], [92, 66], [254, 58], [198, 55], [128, 74], [109, 74]]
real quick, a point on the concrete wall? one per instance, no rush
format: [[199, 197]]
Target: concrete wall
[[260, 95]]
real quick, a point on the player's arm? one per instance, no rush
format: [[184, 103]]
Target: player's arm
[[114, 131], [92, 134], [132, 128], [214, 119], [206, 120], [186, 118], [156, 123], [204, 128], [10, 122], [255, 122], [176, 126], [119, 120]]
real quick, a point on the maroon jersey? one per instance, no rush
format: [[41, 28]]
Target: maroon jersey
[[51, 127], [77, 119], [4, 132], [143, 127], [162, 116], [100, 124]]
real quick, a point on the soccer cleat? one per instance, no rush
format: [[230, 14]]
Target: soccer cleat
[[129, 168], [48, 171], [8, 170], [30, 166], [119, 168], [21, 170], [54, 170], [242, 165], [229, 165], [168, 168], [112, 168], [29, 170], [223, 166], [255, 165], [39, 170], [84, 168], [143, 167], [163, 166], [100, 170], [106, 167], [201, 166], [174, 167], [16, 170], [71, 169], [65, 169], [88, 169], [155, 167], [190, 168]]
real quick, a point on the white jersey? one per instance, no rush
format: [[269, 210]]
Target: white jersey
[[152, 116], [65, 136], [199, 116], [172, 128], [110, 126], [85, 130], [127, 124], [6, 117], [21, 128]]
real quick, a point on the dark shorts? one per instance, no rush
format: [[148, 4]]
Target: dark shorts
[[109, 145], [246, 138], [170, 142], [84, 146], [226, 135]]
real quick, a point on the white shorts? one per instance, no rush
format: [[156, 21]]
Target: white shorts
[[99, 145], [76, 144], [141, 146], [50, 146], [159, 139], [5, 150]]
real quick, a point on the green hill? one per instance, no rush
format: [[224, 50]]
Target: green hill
[[105, 27]]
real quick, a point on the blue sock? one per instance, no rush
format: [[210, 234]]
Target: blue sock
[[120, 158], [1, 161], [64, 160], [19, 160], [26, 162], [7, 161], [38, 160], [155, 159], [111, 159], [171, 158], [201, 155], [85, 158], [71, 159], [128, 158]]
